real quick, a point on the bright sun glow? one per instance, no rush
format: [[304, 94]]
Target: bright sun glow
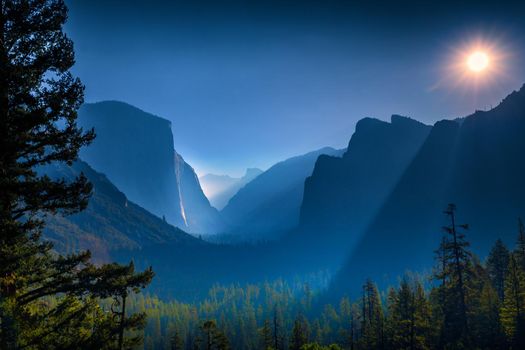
[[478, 61], [475, 64]]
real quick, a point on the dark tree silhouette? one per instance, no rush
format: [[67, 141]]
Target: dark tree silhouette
[[266, 335], [299, 333], [520, 248], [39, 99], [497, 264], [454, 270], [513, 307]]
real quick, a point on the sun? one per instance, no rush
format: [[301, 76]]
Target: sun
[[478, 61]]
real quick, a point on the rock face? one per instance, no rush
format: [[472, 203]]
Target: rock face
[[134, 149], [110, 223], [221, 188], [345, 193], [475, 163], [196, 210], [271, 202]]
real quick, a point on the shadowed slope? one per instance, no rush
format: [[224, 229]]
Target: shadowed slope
[[110, 223], [476, 163]]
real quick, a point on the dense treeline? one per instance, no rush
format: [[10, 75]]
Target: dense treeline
[[464, 304]]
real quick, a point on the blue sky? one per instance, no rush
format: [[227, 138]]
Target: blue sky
[[249, 83]]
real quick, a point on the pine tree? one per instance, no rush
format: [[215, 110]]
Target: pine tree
[[520, 247], [354, 327], [346, 321], [454, 271], [299, 333], [317, 333], [266, 335], [391, 317], [513, 308], [372, 336], [489, 332], [277, 329], [117, 282], [497, 264], [176, 341], [422, 330], [211, 337], [409, 317], [39, 99]]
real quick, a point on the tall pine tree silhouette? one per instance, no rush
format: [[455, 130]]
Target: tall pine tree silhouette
[[39, 98], [454, 273], [497, 264]]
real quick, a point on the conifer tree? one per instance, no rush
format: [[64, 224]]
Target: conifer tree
[[454, 272], [176, 341], [513, 308], [520, 247], [409, 317], [372, 336], [390, 317], [354, 327], [277, 329], [316, 331], [117, 282], [422, 318], [299, 333], [489, 332], [39, 99], [347, 321], [266, 335], [211, 337], [497, 264]]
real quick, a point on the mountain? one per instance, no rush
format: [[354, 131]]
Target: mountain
[[221, 188], [197, 212], [111, 223], [271, 201], [114, 228], [476, 163], [343, 194], [134, 149]]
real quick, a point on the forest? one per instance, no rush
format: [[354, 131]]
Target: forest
[[64, 296], [464, 304]]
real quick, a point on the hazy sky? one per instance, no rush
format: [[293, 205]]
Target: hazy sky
[[249, 83]]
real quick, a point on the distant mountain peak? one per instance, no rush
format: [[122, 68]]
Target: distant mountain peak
[[221, 188], [252, 172]]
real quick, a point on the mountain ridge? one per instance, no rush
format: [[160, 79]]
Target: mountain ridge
[[473, 163], [343, 193]]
